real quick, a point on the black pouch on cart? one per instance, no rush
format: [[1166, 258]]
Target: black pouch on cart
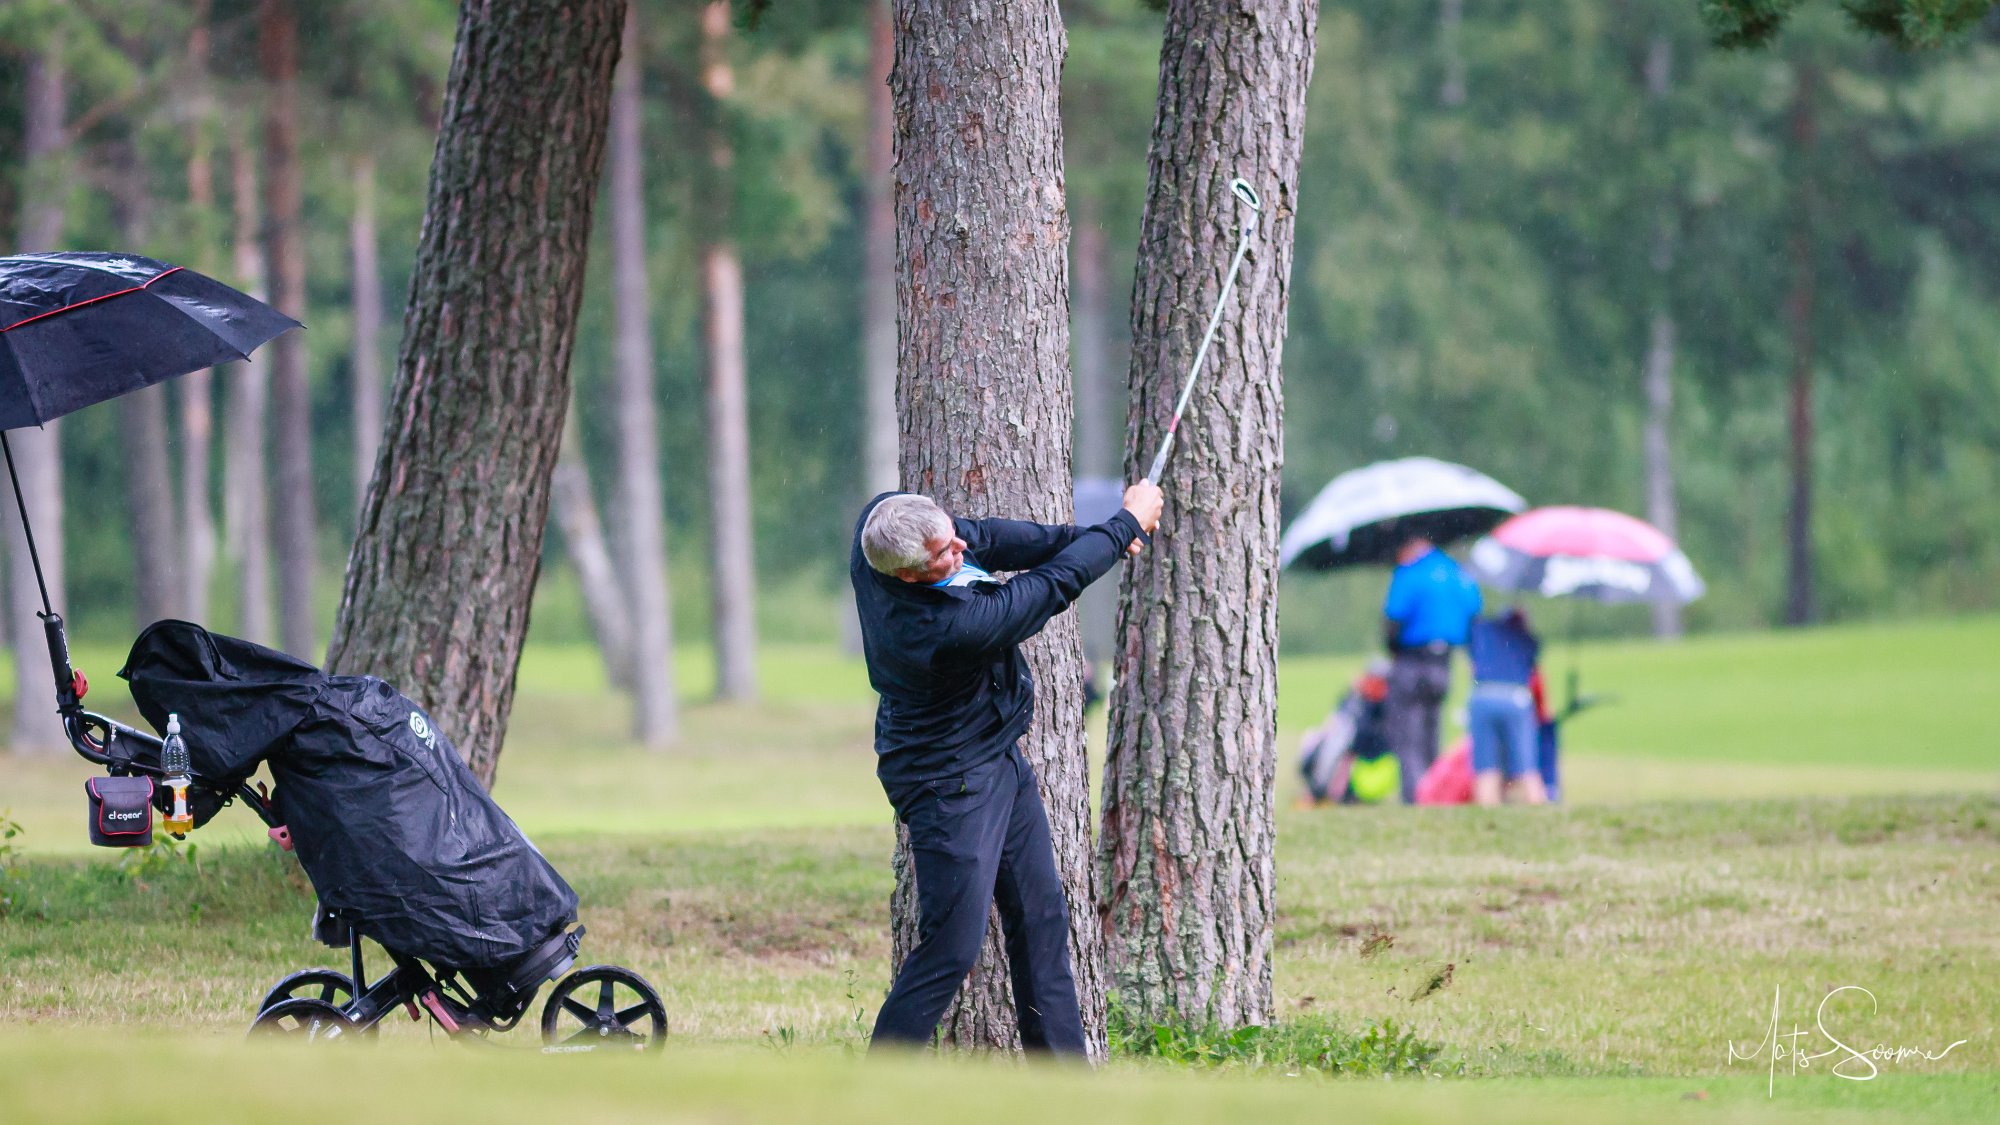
[[121, 811]]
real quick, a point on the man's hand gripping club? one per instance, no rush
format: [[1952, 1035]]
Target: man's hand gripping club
[[1144, 500]]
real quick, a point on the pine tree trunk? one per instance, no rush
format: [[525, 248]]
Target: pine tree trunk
[[984, 389], [144, 442], [878, 310], [1799, 607], [149, 503], [445, 559], [1661, 507], [293, 525], [732, 558], [37, 452], [1186, 847], [367, 299], [650, 667], [604, 601], [196, 390], [247, 389]]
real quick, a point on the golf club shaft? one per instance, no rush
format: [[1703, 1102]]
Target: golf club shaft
[[1242, 191]]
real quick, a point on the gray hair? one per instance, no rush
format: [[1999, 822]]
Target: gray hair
[[898, 532]]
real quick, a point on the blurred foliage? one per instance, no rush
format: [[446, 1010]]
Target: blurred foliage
[[1906, 23], [1474, 275]]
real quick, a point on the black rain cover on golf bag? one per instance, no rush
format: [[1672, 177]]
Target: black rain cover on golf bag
[[389, 823]]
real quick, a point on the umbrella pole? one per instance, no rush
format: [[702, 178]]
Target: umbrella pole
[[27, 529]]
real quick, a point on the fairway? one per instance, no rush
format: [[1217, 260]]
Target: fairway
[[1594, 961]]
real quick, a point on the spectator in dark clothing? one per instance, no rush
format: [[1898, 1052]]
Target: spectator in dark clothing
[[1430, 605], [940, 634]]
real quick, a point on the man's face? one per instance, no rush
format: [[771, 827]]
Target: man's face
[[947, 553]]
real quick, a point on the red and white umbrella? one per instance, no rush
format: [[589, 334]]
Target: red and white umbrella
[[1592, 553]]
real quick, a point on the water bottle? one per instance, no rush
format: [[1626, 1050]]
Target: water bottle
[[174, 763]]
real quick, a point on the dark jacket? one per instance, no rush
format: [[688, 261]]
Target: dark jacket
[[955, 690]]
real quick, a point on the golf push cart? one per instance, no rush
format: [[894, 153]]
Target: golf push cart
[[402, 843], [471, 916]]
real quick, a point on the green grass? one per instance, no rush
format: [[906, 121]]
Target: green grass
[[1737, 827]]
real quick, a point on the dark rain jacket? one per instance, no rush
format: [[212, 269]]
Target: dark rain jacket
[[955, 692]]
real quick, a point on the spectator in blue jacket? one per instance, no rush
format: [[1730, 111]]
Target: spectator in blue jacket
[[1505, 721], [941, 636], [1430, 606]]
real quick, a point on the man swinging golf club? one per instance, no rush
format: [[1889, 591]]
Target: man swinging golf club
[[942, 636]]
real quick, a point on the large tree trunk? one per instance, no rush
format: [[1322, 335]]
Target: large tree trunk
[[293, 526], [655, 709], [449, 544], [604, 599], [878, 310], [36, 452], [196, 389], [732, 577], [984, 388], [245, 495], [1799, 607], [367, 299], [1185, 851], [1661, 507]]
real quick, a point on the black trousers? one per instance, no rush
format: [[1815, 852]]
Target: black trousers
[[976, 840], [1418, 681]]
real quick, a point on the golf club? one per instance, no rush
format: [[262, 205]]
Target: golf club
[[1243, 191]]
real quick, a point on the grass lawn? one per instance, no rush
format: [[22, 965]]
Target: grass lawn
[[1755, 814]]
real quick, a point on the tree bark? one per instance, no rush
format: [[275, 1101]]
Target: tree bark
[[650, 667], [36, 452], [245, 491], [878, 311], [1661, 507], [367, 298], [1799, 602], [733, 563], [984, 388], [1186, 848], [444, 563], [604, 601], [196, 389], [294, 535]]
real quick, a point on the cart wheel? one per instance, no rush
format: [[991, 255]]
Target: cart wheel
[[304, 1020], [326, 985], [601, 1008]]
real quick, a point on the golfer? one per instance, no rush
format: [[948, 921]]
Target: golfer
[[942, 635]]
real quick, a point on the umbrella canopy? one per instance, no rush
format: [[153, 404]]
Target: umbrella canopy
[[1592, 553], [80, 328], [1364, 515]]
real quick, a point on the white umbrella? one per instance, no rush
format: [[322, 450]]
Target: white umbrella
[[1364, 515]]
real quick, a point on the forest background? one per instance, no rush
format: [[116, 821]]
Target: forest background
[[1511, 214]]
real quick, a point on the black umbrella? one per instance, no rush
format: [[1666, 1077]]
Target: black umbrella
[[1364, 515], [80, 328]]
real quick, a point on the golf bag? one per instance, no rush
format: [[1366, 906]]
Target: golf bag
[[398, 837]]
